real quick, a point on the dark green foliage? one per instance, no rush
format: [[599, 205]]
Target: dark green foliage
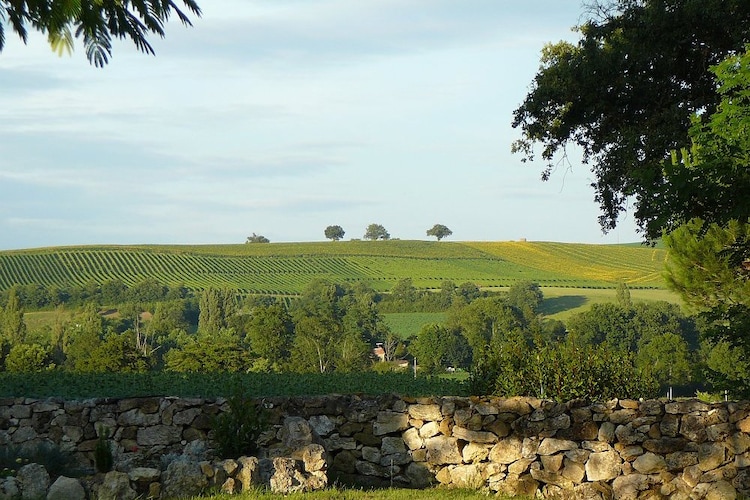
[[55, 461], [439, 231], [627, 93], [376, 232], [562, 372], [235, 432], [256, 385], [334, 233], [103, 459]]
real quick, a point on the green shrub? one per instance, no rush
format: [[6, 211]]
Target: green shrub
[[103, 452], [235, 432], [562, 372]]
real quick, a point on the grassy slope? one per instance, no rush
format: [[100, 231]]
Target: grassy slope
[[286, 268]]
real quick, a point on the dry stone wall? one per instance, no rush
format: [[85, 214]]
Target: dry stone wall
[[621, 449]]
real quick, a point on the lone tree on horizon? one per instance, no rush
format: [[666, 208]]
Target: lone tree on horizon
[[334, 233], [376, 232], [439, 231], [257, 238]]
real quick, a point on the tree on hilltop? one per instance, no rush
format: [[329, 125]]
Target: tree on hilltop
[[334, 233], [97, 22], [257, 238], [376, 232], [439, 231]]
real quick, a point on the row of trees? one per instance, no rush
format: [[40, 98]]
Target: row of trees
[[378, 232]]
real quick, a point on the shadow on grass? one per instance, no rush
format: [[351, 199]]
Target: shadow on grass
[[556, 305]]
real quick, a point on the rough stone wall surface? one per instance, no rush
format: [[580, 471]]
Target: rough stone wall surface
[[621, 449]]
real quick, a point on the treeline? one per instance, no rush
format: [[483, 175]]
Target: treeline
[[615, 349], [35, 297]]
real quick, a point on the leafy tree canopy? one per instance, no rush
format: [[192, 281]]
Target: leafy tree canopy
[[334, 233], [627, 94], [439, 231], [376, 232], [97, 22]]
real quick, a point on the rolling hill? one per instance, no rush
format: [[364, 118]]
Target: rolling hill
[[286, 268]]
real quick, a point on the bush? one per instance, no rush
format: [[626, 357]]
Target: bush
[[236, 432], [103, 451], [562, 372]]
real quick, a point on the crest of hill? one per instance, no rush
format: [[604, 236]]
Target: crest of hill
[[286, 268]]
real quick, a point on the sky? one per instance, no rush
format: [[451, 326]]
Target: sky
[[282, 117]]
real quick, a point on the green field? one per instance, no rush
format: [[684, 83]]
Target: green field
[[406, 325], [286, 268]]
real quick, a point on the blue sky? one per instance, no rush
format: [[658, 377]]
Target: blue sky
[[281, 117]]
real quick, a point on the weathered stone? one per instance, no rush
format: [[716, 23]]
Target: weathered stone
[[721, 490], [287, 477], [65, 488], [314, 458], [474, 436], [603, 466], [574, 471], [443, 450], [649, 463], [629, 452], [520, 466], [468, 476], [687, 406], [486, 409], [628, 487], [619, 417], [412, 439], [429, 430], [388, 421], [116, 486], [606, 432], [33, 481], [345, 462], [475, 452], [371, 469], [670, 425], [427, 413], [419, 475], [711, 456], [680, 459], [552, 463], [691, 475], [392, 445], [159, 435], [693, 427], [9, 488], [550, 446], [337, 442], [626, 434], [547, 477], [507, 451], [295, 433], [183, 478], [718, 432], [665, 445], [517, 405], [137, 418], [322, 425], [144, 474]]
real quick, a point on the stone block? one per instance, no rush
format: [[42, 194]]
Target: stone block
[[603, 466]]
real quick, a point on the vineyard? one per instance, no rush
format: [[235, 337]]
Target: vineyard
[[286, 268]]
